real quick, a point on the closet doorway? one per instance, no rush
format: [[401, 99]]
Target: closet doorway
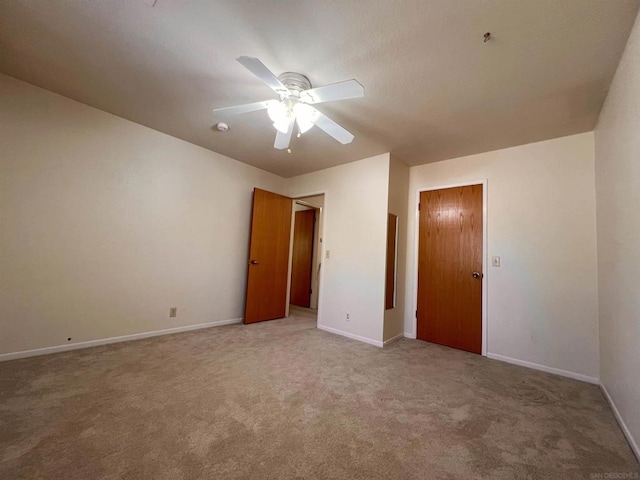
[[306, 251]]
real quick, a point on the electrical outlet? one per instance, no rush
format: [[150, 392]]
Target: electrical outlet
[[348, 317], [327, 254], [173, 312]]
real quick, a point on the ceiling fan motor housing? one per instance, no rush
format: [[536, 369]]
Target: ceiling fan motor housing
[[295, 82]]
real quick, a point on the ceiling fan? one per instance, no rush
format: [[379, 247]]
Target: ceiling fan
[[294, 105]]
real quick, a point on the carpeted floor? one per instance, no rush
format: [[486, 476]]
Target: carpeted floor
[[283, 400]]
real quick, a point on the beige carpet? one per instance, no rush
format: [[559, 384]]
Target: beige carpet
[[283, 400]]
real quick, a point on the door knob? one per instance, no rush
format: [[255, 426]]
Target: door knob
[[253, 262], [476, 275]]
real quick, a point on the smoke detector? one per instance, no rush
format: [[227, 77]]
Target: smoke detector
[[222, 127]]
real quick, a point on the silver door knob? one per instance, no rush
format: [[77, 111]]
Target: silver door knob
[[476, 275], [253, 262]]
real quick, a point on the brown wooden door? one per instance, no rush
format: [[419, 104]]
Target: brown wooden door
[[450, 267], [390, 283], [302, 262], [268, 257]]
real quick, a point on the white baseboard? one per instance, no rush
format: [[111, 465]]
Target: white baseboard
[[106, 341], [623, 426], [409, 335], [544, 368], [394, 338], [353, 336]]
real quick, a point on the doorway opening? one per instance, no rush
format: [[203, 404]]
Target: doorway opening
[[271, 254], [305, 261]]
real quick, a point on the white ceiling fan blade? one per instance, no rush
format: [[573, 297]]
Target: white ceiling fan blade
[[336, 91], [256, 67], [238, 109], [332, 128], [283, 139]]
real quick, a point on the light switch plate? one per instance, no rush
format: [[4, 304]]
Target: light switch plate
[[495, 261]]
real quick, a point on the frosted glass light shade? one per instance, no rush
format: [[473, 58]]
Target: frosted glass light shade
[[305, 116], [278, 112]]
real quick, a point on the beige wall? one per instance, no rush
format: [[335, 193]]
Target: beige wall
[[542, 301], [398, 196], [617, 147], [105, 224], [355, 225]]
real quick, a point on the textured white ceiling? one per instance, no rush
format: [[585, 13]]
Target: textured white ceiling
[[433, 89]]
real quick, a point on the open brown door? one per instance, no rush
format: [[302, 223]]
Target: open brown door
[[268, 257], [302, 262], [450, 268]]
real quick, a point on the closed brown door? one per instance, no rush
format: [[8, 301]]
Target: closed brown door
[[301, 265], [390, 282], [450, 268], [268, 257]]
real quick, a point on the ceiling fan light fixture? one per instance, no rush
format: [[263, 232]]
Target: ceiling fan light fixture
[[294, 106], [305, 116], [281, 125], [278, 112]]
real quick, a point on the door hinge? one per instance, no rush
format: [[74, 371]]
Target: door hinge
[[416, 313], [419, 206]]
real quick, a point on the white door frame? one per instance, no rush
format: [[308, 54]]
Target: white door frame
[[485, 264]]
